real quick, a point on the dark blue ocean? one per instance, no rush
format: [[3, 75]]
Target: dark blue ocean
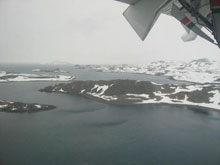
[[81, 131]]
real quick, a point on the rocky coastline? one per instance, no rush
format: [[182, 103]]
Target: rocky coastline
[[127, 92]]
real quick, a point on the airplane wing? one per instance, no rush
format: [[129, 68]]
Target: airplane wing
[[128, 1], [142, 14], [193, 14]]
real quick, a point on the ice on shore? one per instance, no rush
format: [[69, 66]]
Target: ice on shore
[[21, 77]]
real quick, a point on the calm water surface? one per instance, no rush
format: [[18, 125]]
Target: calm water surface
[[85, 132]]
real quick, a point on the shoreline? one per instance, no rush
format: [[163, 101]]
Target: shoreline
[[129, 92], [127, 104]]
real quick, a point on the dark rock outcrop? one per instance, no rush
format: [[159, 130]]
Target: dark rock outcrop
[[139, 92], [18, 107]]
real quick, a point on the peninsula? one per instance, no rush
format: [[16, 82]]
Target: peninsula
[[143, 92]]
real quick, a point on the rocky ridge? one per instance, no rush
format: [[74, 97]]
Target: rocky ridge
[[143, 92]]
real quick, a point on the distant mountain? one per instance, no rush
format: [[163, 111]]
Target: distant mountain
[[202, 60], [58, 63]]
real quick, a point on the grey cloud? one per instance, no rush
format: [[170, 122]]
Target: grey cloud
[[83, 31]]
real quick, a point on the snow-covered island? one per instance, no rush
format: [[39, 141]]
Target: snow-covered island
[[143, 92], [17, 107], [14, 77], [198, 71]]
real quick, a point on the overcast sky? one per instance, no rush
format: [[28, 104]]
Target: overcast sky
[[88, 32]]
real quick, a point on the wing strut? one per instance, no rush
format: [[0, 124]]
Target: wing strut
[[194, 12], [179, 15]]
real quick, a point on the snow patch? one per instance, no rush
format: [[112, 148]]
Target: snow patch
[[37, 106], [61, 90], [100, 89], [3, 106], [82, 91], [146, 96]]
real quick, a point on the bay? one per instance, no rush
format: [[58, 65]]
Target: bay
[[81, 131]]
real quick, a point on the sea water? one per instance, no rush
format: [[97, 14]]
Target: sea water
[[81, 131]]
